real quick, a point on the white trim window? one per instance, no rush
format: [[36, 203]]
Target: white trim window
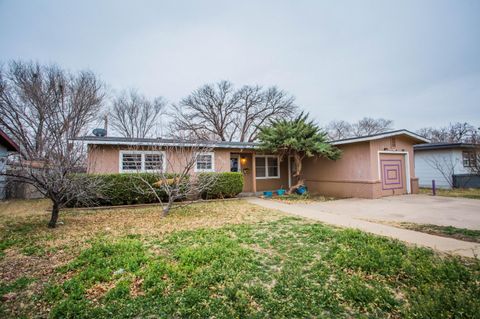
[[205, 162], [267, 166], [141, 161]]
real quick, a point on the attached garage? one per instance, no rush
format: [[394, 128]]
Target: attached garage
[[371, 167]]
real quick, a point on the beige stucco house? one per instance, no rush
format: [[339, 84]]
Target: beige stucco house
[[371, 166]]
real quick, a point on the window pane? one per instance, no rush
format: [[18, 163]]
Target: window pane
[[272, 166], [132, 162], [154, 162], [204, 162], [260, 169]]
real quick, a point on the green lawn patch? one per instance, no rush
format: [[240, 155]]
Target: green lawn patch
[[472, 193], [446, 231], [287, 268], [223, 260]]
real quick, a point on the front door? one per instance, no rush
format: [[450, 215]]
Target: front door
[[235, 163]]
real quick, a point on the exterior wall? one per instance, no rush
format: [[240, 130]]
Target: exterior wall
[[271, 184], [105, 159], [449, 159], [357, 173], [399, 144], [350, 176], [3, 179]]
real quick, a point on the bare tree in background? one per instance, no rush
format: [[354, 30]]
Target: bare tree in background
[[366, 126], [207, 113], [220, 112], [41, 108], [174, 169], [257, 106], [369, 126], [453, 133], [338, 130], [445, 165], [133, 115]]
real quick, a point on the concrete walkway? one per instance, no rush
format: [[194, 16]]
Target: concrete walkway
[[442, 244]]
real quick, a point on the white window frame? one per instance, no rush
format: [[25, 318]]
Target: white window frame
[[266, 166], [200, 170], [142, 153]]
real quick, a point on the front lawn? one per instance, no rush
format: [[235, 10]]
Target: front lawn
[[224, 260], [473, 193]]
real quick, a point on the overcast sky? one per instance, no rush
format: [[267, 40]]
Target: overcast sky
[[415, 62]]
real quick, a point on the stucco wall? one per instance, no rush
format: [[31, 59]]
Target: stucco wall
[[350, 176], [271, 184], [356, 174], [105, 159]]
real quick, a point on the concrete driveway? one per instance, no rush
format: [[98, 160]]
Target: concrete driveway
[[420, 209], [354, 213]]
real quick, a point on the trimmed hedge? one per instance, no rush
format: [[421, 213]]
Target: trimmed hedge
[[128, 189], [225, 185]]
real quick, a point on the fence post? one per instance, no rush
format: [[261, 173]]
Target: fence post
[[434, 189]]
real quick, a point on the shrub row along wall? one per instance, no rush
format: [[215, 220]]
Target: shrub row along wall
[[130, 188]]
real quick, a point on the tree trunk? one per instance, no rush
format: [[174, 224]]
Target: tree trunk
[[166, 208], [54, 217], [298, 173]]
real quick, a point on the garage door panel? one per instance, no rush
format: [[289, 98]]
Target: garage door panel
[[392, 174]]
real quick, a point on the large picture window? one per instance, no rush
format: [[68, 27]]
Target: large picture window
[[205, 162], [267, 166], [142, 161]]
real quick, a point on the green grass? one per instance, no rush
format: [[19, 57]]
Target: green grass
[[446, 231], [472, 193], [281, 267], [286, 268]]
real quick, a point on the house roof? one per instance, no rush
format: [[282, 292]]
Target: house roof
[[439, 146], [112, 140], [378, 136], [6, 141]]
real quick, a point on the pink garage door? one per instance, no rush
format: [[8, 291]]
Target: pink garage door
[[392, 173]]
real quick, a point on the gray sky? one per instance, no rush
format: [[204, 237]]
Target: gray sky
[[415, 62]]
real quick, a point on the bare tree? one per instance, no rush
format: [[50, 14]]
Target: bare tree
[[453, 133], [369, 126], [176, 175], [444, 164], [208, 112], [42, 107], [338, 130], [220, 112], [257, 107], [133, 115], [366, 126]]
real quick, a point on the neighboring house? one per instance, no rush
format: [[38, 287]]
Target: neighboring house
[[7, 145], [446, 163], [371, 166]]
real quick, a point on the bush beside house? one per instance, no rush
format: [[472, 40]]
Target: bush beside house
[[225, 185], [129, 189]]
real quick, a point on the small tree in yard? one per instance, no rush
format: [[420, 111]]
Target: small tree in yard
[[41, 108], [299, 138], [172, 175]]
